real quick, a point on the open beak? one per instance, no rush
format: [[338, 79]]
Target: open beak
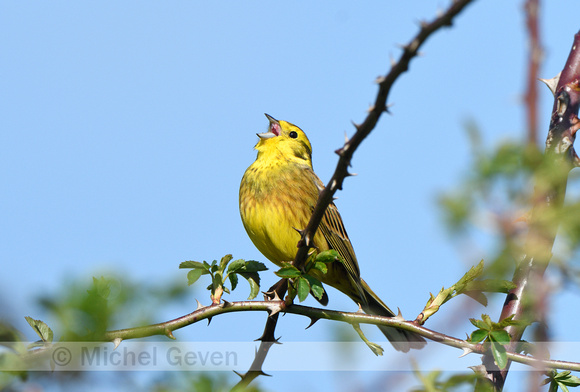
[[273, 128]]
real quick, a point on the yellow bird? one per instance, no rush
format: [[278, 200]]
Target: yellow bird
[[277, 196]]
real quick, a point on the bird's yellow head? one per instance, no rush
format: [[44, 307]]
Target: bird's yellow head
[[286, 139]]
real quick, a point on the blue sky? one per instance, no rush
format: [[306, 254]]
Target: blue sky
[[127, 126]]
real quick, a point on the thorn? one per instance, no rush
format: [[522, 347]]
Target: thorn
[[320, 187], [199, 305], [370, 109], [312, 321], [380, 79], [479, 370], [465, 352], [357, 126], [346, 139], [552, 83], [116, 342], [275, 297], [226, 304], [399, 316], [169, 334], [208, 321], [301, 232], [423, 24], [392, 60], [351, 174], [273, 310], [360, 309], [334, 198], [240, 374]]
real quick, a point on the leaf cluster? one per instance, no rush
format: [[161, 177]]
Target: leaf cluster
[[561, 380], [495, 335], [471, 285], [223, 271], [303, 282]]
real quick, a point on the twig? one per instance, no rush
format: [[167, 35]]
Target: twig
[[363, 130], [266, 340], [550, 190], [353, 318]]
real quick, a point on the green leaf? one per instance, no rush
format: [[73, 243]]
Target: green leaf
[[477, 295], [490, 286], [302, 288], [41, 329], [478, 335], [479, 324], [320, 266], [510, 321], [315, 286], [328, 256], [566, 378], [473, 273], [217, 280], [499, 353], [500, 336], [192, 264], [194, 274], [254, 266], [288, 272], [254, 280], [487, 320], [233, 280], [236, 265], [224, 261]]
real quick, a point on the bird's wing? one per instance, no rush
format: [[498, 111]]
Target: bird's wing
[[335, 234]]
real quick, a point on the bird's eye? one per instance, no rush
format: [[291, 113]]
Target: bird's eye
[[293, 135]]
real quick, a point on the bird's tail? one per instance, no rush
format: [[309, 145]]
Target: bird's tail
[[400, 339]]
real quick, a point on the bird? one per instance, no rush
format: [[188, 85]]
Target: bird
[[278, 193]]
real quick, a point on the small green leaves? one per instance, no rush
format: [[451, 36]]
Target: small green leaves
[[219, 275], [304, 282], [494, 334], [302, 288], [468, 285], [328, 256], [42, 330], [288, 271], [561, 380]]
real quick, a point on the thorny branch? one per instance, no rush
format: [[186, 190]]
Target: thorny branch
[[550, 190], [363, 130], [277, 306]]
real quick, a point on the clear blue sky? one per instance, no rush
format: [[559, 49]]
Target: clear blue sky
[[126, 128]]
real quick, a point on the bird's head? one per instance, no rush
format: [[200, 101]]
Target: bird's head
[[285, 138]]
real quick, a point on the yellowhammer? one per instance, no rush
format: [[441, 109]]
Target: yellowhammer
[[277, 196]]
